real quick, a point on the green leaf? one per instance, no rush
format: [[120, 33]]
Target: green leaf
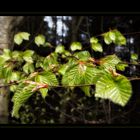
[[19, 37], [16, 55], [93, 40], [109, 62], [22, 94], [81, 74], [28, 68], [60, 49], [47, 44], [44, 92], [50, 61], [40, 40], [67, 53], [76, 46], [82, 55], [47, 78], [14, 76], [107, 38], [117, 89], [121, 67], [13, 88], [112, 35], [7, 72], [28, 56], [5, 56], [97, 47], [62, 70], [134, 56], [25, 35], [120, 39], [39, 62]]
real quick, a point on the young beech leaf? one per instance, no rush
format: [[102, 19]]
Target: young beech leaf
[[60, 49], [44, 92], [120, 39], [28, 56], [17, 55], [28, 68], [15, 76], [121, 67], [63, 69], [76, 46], [22, 94], [117, 89], [112, 35], [19, 37], [82, 55], [134, 56], [81, 74], [93, 40], [40, 40], [25, 35], [97, 47], [107, 38]]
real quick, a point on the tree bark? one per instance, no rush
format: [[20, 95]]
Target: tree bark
[[7, 30]]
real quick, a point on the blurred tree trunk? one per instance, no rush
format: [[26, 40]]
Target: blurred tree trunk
[[7, 30], [76, 22]]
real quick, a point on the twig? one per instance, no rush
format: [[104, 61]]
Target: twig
[[61, 86]]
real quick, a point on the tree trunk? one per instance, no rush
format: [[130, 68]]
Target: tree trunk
[[7, 28]]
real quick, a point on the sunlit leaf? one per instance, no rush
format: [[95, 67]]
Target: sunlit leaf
[[76, 46], [5, 56], [63, 69], [67, 53], [82, 55], [28, 56], [117, 89], [28, 68], [112, 35], [16, 55], [93, 40], [109, 62], [44, 92], [13, 88], [50, 61], [15, 76], [47, 44], [40, 40], [47, 78], [60, 49], [22, 94], [120, 39], [107, 38], [25, 35], [134, 56], [19, 37], [121, 67], [7, 72], [97, 47], [81, 74]]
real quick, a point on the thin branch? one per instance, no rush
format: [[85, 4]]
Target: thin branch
[[133, 78], [79, 23], [131, 33], [60, 86]]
